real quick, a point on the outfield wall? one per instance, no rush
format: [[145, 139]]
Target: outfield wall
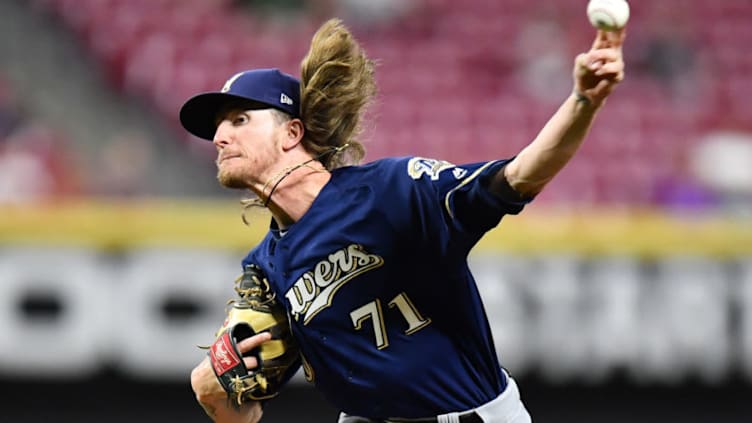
[[572, 296]]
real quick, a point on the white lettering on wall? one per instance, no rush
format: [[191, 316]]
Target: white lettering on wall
[[565, 317]]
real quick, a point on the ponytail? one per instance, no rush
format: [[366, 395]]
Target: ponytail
[[337, 85]]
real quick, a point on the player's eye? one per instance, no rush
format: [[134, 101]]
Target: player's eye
[[240, 119]]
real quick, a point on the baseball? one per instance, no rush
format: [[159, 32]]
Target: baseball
[[608, 15]]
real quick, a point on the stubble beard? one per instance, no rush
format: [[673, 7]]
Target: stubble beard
[[230, 180]]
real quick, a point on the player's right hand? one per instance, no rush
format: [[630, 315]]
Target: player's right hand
[[597, 72], [213, 398]]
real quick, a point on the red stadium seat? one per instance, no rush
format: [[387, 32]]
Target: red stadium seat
[[449, 77]]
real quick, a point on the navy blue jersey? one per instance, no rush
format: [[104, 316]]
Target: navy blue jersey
[[380, 298]]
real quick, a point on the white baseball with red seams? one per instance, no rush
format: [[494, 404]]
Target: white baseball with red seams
[[608, 15]]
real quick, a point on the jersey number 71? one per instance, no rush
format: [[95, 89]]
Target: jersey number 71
[[373, 310]]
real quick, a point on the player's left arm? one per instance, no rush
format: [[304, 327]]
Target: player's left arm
[[596, 73]]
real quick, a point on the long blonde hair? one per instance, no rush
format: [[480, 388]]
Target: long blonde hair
[[336, 87]]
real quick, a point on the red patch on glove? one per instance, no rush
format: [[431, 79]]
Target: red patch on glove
[[223, 355]]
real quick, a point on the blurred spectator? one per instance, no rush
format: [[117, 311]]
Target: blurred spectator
[[683, 58], [668, 57], [10, 118], [123, 165], [543, 58], [361, 13], [723, 161], [667, 54], [372, 12], [35, 165], [273, 7], [681, 189]]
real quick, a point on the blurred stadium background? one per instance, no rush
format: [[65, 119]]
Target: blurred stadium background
[[623, 294]]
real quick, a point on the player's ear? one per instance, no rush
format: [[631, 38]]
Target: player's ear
[[294, 134]]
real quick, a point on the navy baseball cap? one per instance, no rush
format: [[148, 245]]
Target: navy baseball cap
[[259, 88]]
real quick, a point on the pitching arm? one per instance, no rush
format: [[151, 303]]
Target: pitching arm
[[596, 73]]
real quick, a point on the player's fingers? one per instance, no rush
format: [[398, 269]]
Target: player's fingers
[[616, 38], [581, 60], [254, 341], [250, 362], [611, 70], [585, 63], [599, 62], [609, 39], [601, 39], [603, 55]]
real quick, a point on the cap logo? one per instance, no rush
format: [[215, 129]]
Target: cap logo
[[285, 99], [231, 81]]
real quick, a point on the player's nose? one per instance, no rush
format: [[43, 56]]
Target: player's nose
[[221, 135]]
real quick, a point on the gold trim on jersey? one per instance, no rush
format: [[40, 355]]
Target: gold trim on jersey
[[462, 184], [308, 373]]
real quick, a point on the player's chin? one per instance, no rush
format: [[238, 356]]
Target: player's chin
[[230, 179]]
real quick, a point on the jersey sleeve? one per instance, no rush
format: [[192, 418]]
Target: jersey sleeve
[[461, 194]]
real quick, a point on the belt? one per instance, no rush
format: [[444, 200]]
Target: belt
[[471, 417]]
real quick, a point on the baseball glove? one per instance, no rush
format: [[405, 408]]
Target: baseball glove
[[256, 310]]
